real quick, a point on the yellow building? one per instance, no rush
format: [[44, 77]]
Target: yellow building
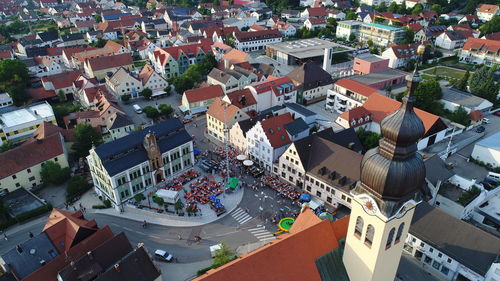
[[21, 166], [19, 124], [223, 115]]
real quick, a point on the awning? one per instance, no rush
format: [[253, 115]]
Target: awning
[[198, 109], [241, 157], [158, 92], [196, 151], [233, 183], [183, 108], [248, 163], [315, 203]]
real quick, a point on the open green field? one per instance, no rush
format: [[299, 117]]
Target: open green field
[[445, 72]]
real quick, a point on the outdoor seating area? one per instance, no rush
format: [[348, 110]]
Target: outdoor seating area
[[178, 182], [283, 188], [202, 189]]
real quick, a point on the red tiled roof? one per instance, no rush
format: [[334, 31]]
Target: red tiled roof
[[408, 50], [476, 115], [315, 21], [48, 129], [274, 128], [482, 44], [493, 36], [380, 107], [113, 46], [355, 114], [38, 94], [107, 62], [309, 237], [317, 12], [202, 94], [175, 52], [356, 87], [5, 54], [270, 84], [257, 27], [62, 80], [487, 8], [216, 110], [257, 35], [30, 154], [414, 26], [242, 98]]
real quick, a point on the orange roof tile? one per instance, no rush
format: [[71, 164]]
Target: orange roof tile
[[482, 44], [356, 87], [236, 56], [201, 94], [291, 256], [216, 110], [274, 128], [242, 98], [487, 8]]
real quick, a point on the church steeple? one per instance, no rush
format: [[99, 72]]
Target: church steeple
[[392, 177]]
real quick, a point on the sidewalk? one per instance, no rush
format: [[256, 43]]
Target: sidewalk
[[230, 201]]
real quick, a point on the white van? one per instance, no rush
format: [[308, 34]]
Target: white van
[[137, 108]]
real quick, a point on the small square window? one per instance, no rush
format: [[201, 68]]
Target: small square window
[[17, 184], [14, 176], [28, 170]]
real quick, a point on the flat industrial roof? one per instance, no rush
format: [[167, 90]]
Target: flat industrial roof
[[307, 48], [26, 114], [379, 76], [492, 141]]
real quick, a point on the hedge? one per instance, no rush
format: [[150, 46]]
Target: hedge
[[26, 216]]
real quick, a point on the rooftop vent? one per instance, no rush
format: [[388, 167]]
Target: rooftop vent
[[19, 249]]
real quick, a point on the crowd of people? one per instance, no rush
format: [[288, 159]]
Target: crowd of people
[[178, 182], [202, 189], [283, 188]]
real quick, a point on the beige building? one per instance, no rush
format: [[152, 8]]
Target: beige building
[[231, 79], [99, 67], [221, 116], [199, 100], [22, 165], [122, 82]]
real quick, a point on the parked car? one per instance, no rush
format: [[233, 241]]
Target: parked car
[[497, 113], [486, 121], [162, 255], [137, 108], [480, 129]]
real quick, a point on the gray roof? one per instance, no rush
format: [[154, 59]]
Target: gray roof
[[309, 76], [435, 170], [128, 151], [120, 121], [379, 76], [299, 109], [24, 262], [296, 127], [307, 48], [492, 141], [462, 98], [469, 245], [370, 58]]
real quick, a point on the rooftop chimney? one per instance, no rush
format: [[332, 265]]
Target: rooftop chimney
[[19, 249], [117, 267], [327, 60]]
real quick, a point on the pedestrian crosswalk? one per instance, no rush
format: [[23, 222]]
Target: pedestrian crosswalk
[[261, 233], [241, 216]]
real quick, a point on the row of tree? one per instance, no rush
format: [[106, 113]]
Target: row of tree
[[193, 74], [14, 78]]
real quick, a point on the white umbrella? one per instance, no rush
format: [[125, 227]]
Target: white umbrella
[[241, 157], [248, 163]]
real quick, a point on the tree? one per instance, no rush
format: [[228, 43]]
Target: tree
[[223, 255], [52, 173], [61, 95], [98, 18], [382, 7], [216, 3], [125, 98], [374, 50], [167, 89], [139, 197], [368, 139], [409, 36], [13, 79], [229, 39], [369, 43], [402, 8], [86, 136], [350, 15], [76, 187], [147, 93], [151, 112], [352, 37], [417, 9], [6, 146], [491, 26], [437, 8], [100, 43], [393, 7], [460, 116], [462, 83], [477, 79], [165, 109], [427, 94], [489, 90]]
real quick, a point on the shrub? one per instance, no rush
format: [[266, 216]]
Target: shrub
[[107, 203], [33, 213], [99, 207], [76, 187], [52, 173]]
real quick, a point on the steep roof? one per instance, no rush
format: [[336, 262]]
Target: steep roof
[[107, 62], [242, 98], [482, 44], [62, 80], [202, 94], [274, 84], [309, 76], [274, 128], [458, 239], [216, 110], [317, 12], [189, 50], [309, 238], [257, 35], [487, 8], [30, 154]]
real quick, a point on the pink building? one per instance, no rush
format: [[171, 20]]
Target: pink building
[[366, 64]]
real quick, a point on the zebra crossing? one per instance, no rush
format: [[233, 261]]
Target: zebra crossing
[[241, 216], [261, 233]]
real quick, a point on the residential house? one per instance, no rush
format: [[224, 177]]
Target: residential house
[[25, 162], [100, 67], [326, 165], [62, 82], [368, 63], [401, 55], [473, 20], [244, 100], [453, 98], [19, 123], [288, 14], [199, 100], [480, 51], [336, 14], [314, 13], [152, 80], [127, 166], [347, 94], [273, 91], [286, 29], [174, 61], [78, 59], [257, 40], [315, 23], [485, 12], [5, 100], [123, 82], [74, 39], [233, 79], [47, 66], [429, 33], [450, 40], [48, 38], [84, 26], [68, 52], [221, 116], [311, 82]]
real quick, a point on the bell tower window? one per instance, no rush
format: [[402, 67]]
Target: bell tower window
[[400, 232], [359, 227], [370, 233], [390, 238]]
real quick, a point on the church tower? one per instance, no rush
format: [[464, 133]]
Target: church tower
[[154, 156], [392, 177]]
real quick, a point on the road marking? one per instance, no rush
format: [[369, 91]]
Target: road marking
[[241, 216], [154, 236], [261, 233], [126, 228], [141, 233]]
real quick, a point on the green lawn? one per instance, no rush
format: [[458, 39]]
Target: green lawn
[[445, 72]]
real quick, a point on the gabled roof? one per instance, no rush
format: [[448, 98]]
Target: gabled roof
[[310, 238], [356, 87], [242, 98], [146, 72], [274, 128], [189, 50], [66, 229], [272, 84], [30, 154], [62, 80], [257, 35], [309, 76], [202, 94], [216, 110], [317, 12], [113, 46], [479, 44], [487, 8], [107, 62]]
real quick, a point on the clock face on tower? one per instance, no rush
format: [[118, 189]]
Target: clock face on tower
[[369, 205]]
